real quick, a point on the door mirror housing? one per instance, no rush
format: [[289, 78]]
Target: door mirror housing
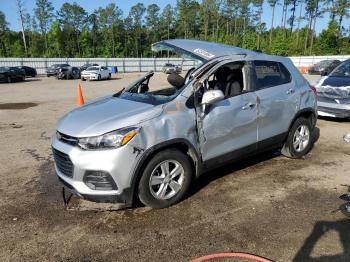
[[212, 96]]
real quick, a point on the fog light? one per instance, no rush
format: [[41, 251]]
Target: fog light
[[99, 180]]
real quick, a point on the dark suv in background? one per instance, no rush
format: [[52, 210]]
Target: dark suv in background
[[53, 69], [68, 73], [10, 74], [29, 71]]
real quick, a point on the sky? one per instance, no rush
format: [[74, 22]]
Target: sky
[[90, 5]]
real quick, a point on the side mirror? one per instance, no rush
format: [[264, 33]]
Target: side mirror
[[212, 96]]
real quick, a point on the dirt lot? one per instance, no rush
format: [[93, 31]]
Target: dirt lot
[[269, 205]]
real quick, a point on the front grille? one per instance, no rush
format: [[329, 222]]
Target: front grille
[[67, 139], [63, 163]]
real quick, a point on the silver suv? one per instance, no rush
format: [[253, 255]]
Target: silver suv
[[150, 145]]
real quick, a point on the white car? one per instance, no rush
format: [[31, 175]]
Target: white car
[[96, 73]]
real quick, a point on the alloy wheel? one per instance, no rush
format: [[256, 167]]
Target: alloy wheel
[[301, 138], [167, 179]]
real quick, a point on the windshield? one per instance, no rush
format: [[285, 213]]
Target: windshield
[[343, 70], [54, 66], [93, 68], [140, 91], [4, 69]]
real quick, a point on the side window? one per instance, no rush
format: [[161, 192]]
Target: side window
[[269, 74], [228, 78]]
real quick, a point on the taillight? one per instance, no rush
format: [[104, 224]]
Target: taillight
[[313, 89]]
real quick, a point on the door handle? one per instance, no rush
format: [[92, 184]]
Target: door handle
[[248, 106], [290, 91]]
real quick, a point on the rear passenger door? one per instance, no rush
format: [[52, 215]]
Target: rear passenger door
[[277, 101]]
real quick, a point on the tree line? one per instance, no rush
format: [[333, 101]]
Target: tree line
[[106, 32]]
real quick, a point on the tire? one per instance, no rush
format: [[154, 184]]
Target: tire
[[299, 141], [23, 78], [162, 194], [99, 77], [9, 79], [83, 79], [109, 76]]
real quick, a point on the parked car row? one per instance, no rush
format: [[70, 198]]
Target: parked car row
[[16, 73], [86, 72]]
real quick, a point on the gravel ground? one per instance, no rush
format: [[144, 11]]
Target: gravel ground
[[279, 208]]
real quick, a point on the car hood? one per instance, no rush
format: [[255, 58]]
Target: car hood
[[199, 50], [105, 115]]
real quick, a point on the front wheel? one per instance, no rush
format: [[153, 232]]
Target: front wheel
[[99, 77], [299, 140], [109, 76], [165, 180], [9, 80]]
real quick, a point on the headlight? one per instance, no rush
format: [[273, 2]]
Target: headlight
[[110, 140]]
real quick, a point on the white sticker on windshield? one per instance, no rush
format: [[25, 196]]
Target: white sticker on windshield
[[203, 53]]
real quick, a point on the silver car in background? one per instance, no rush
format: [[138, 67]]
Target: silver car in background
[[333, 92], [151, 145], [169, 68]]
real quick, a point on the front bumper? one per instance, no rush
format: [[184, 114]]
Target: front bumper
[[333, 110], [51, 73], [119, 163], [90, 77]]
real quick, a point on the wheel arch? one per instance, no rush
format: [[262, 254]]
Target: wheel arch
[[183, 145], [308, 113]]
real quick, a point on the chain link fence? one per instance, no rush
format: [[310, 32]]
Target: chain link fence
[[137, 64]]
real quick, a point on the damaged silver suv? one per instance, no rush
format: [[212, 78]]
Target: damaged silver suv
[[150, 145]]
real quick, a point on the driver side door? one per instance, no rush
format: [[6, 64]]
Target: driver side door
[[229, 129]]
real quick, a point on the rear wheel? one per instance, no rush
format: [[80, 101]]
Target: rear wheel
[[299, 140], [9, 79], [109, 76], [99, 77], [166, 179]]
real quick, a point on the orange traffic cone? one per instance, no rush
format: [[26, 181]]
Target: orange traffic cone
[[80, 98]]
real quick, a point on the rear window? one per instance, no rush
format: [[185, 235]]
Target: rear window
[[271, 74]]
